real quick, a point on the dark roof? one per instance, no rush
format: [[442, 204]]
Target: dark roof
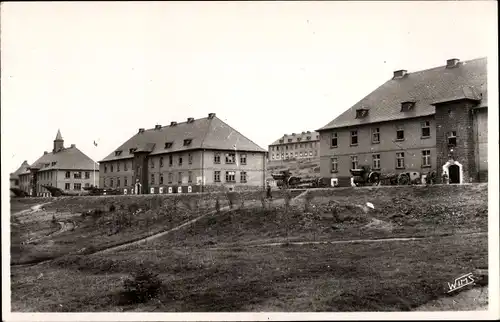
[[427, 87], [204, 133], [24, 166], [66, 159], [296, 136]]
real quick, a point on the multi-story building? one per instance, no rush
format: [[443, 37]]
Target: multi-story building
[[64, 168], [299, 146], [15, 181], [194, 156], [430, 120]]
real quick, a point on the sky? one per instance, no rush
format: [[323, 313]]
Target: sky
[[100, 71]]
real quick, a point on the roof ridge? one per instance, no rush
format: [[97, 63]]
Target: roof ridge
[[441, 66], [177, 123]]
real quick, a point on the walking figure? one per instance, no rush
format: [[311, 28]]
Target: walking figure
[[269, 196]]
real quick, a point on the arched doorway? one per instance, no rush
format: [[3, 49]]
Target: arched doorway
[[454, 171], [138, 189]]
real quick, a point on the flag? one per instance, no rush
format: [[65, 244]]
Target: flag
[[95, 143]]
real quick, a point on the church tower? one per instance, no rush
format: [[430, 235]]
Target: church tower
[[58, 142]]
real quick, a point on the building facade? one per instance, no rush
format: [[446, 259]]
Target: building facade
[[68, 169], [431, 120], [302, 146], [194, 156]]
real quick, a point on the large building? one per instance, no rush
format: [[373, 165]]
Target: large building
[[68, 169], [15, 181], [194, 156], [430, 120], [296, 146]]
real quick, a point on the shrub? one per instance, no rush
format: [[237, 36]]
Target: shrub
[[217, 205], [112, 208], [142, 286]]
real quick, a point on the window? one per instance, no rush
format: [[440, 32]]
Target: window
[[299, 139], [286, 155], [230, 158], [168, 145], [66, 186], [361, 113], [180, 159], [170, 177], [170, 160], [243, 177], [152, 178], [117, 153], [125, 182], [452, 139], [334, 142], [111, 183], [286, 147], [190, 158], [300, 154], [87, 175], [68, 175], [426, 129], [354, 162], [180, 178], [161, 178], [376, 161], [117, 182], [161, 162], [53, 163], [118, 167], [354, 137], [125, 166], [243, 158], [230, 176], [400, 160], [217, 157], [335, 165], [407, 106], [105, 169], [187, 142], [152, 164], [376, 135], [400, 133], [310, 153], [111, 168], [308, 138], [216, 176], [190, 176], [289, 140], [77, 175], [426, 158], [132, 150], [272, 156]]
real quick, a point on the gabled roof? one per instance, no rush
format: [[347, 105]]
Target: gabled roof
[[297, 137], [24, 166], [204, 133], [467, 80], [67, 159]]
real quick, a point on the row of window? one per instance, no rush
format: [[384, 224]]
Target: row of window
[[77, 175], [230, 176], [400, 161], [287, 156], [294, 146], [76, 186], [230, 158], [375, 134]]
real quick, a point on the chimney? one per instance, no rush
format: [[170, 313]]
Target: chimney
[[173, 123], [293, 134], [400, 73], [45, 152], [451, 63], [211, 115], [157, 127], [190, 120], [73, 146], [303, 132], [141, 130], [308, 132]]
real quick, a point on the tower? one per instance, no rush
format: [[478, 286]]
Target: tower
[[58, 142]]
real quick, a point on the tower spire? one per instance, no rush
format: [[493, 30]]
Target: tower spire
[[58, 142], [58, 136]]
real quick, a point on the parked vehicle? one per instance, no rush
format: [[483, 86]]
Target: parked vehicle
[[364, 176]]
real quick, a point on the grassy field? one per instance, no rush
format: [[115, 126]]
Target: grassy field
[[208, 266]]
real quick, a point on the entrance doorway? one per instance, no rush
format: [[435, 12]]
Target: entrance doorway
[[138, 189], [454, 171]]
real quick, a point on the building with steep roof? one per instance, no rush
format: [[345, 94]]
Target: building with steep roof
[[66, 168], [430, 120], [15, 181], [295, 146], [197, 155]]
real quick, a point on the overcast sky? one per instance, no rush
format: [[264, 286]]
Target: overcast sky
[[100, 71]]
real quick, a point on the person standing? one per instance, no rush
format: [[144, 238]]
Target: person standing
[[269, 196]]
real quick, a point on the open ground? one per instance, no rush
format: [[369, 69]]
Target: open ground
[[314, 250]]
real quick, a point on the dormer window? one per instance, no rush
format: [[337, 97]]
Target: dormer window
[[54, 163], [168, 145], [187, 142], [289, 140], [361, 113], [407, 106], [132, 150], [281, 141], [308, 138], [117, 153], [299, 139]]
